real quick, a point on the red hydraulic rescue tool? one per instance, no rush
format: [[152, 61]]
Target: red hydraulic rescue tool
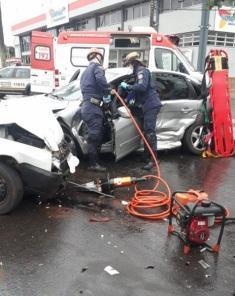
[[223, 140]]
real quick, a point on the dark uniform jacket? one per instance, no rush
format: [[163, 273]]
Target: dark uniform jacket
[[93, 85], [146, 95]]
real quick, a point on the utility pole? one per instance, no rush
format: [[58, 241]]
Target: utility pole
[[203, 36], [2, 45], [157, 14], [154, 14]]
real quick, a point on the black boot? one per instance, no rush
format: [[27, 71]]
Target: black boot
[[96, 168], [150, 164]]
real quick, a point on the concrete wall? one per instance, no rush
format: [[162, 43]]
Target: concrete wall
[[179, 21], [137, 22]]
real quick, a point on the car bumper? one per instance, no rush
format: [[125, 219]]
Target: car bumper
[[39, 181]]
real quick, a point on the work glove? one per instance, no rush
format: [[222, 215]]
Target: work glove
[[124, 85], [107, 99]]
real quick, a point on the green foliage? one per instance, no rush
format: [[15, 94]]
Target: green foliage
[[219, 3]]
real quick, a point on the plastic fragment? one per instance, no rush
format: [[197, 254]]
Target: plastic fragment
[[124, 203], [203, 249], [110, 270], [203, 264]]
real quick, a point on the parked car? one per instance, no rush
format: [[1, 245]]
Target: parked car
[[180, 121], [34, 156], [15, 80]]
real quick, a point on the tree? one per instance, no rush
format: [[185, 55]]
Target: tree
[[219, 3]]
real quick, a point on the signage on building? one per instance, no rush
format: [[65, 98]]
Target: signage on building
[[57, 12], [225, 19]]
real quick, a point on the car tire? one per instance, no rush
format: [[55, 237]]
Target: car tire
[[11, 189], [27, 90], [193, 138]]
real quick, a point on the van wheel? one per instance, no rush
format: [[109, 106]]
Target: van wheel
[[11, 189], [194, 138], [27, 90]]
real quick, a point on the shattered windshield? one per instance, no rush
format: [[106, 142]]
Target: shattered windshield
[[69, 92]]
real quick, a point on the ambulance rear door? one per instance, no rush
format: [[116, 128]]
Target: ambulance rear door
[[43, 71]]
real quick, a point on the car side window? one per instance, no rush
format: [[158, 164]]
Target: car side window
[[166, 59], [171, 86], [22, 73], [7, 73]]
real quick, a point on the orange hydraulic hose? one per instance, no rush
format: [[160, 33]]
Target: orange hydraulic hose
[[149, 199]]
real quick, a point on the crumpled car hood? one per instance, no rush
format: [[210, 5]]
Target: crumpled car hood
[[33, 115]]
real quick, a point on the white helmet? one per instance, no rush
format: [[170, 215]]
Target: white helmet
[[93, 52]]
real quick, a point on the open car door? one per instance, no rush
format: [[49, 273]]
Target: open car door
[[126, 137]]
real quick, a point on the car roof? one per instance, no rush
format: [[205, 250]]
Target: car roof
[[14, 66], [124, 71]]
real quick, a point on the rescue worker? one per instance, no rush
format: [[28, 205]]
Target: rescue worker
[[144, 96], [95, 91]]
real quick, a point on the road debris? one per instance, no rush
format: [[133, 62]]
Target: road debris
[[203, 250], [99, 219], [150, 267], [124, 203], [203, 264], [110, 270], [207, 275], [84, 269]]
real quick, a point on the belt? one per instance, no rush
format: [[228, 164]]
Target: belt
[[96, 102]]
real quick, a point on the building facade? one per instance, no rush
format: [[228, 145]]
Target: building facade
[[180, 17]]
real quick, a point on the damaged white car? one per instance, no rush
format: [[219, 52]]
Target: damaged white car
[[34, 157]]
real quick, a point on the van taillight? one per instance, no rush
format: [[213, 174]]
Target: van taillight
[[57, 82]]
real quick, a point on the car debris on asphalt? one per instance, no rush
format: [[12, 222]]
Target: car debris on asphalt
[[110, 270]]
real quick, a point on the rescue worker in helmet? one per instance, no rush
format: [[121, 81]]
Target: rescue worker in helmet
[[95, 91], [144, 96]]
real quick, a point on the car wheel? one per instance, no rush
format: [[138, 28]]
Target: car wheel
[[27, 90], [194, 138], [11, 189]]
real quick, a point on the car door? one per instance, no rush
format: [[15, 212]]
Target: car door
[[6, 75], [180, 107], [20, 79], [126, 137]]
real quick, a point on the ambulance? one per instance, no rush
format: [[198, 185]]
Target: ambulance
[[55, 61]]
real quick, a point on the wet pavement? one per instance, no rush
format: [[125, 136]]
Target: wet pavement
[[53, 248]]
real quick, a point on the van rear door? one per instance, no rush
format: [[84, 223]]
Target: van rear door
[[42, 61]]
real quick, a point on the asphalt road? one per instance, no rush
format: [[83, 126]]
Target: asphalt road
[[53, 249]]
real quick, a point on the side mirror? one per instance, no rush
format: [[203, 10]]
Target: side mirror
[[122, 112], [75, 75]]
